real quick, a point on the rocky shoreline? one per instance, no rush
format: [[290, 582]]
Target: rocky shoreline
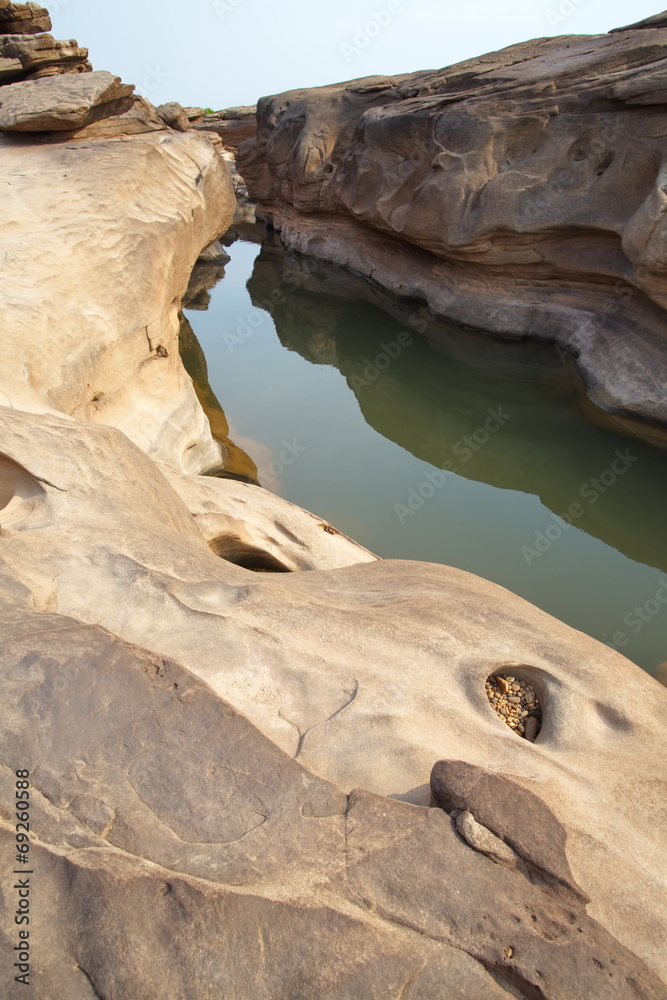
[[519, 193], [231, 771]]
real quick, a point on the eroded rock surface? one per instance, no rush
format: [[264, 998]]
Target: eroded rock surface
[[87, 232], [23, 18], [233, 125], [366, 675], [62, 102], [520, 192], [215, 753], [29, 57]]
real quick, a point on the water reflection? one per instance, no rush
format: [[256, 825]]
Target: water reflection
[[505, 414], [206, 276]]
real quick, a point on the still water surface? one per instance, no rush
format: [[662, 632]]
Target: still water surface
[[314, 365]]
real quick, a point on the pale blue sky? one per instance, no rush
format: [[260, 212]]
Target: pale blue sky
[[220, 53]]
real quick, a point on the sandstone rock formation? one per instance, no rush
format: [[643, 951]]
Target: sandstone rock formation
[[216, 754], [520, 193], [23, 18], [366, 675], [29, 57], [126, 370], [174, 115], [57, 103], [233, 125]]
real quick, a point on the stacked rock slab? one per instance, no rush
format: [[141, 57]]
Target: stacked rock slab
[[23, 18], [233, 125], [521, 193], [27, 52]]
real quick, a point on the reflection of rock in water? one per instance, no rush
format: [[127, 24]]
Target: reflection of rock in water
[[207, 272], [434, 398], [237, 462]]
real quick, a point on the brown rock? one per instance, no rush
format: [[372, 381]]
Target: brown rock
[[25, 57], [516, 192], [175, 116], [233, 125], [23, 19]]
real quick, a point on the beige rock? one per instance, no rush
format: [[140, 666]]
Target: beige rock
[[252, 527], [62, 102], [366, 674], [130, 650], [520, 193], [481, 839], [258, 878], [92, 353]]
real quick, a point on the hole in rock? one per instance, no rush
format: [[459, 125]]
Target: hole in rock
[[604, 164], [515, 702], [248, 556], [15, 481]]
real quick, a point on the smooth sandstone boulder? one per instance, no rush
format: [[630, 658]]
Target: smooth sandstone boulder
[[181, 854], [520, 193], [109, 228], [254, 528], [365, 675], [62, 102]]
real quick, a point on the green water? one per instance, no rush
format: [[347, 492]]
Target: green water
[[347, 410]]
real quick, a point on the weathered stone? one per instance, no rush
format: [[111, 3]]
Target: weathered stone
[[483, 840], [99, 236], [656, 21], [178, 849], [23, 18], [317, 662], [520, 193], [31, 57], [252, 527], [193, 728], [233, 125], [195, 114], [174, 115], [446, 900], [58, 103]]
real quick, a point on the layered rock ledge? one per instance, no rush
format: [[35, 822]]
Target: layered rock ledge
[[520, 193]]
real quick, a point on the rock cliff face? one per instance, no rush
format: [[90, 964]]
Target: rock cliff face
[[520, 193], [211, 749]]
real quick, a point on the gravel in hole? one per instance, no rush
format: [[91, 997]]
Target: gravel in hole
[[516, 703]]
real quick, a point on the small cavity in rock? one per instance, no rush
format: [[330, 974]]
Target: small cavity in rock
[[515, 702]]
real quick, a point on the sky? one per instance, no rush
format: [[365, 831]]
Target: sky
[[222, 53]]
